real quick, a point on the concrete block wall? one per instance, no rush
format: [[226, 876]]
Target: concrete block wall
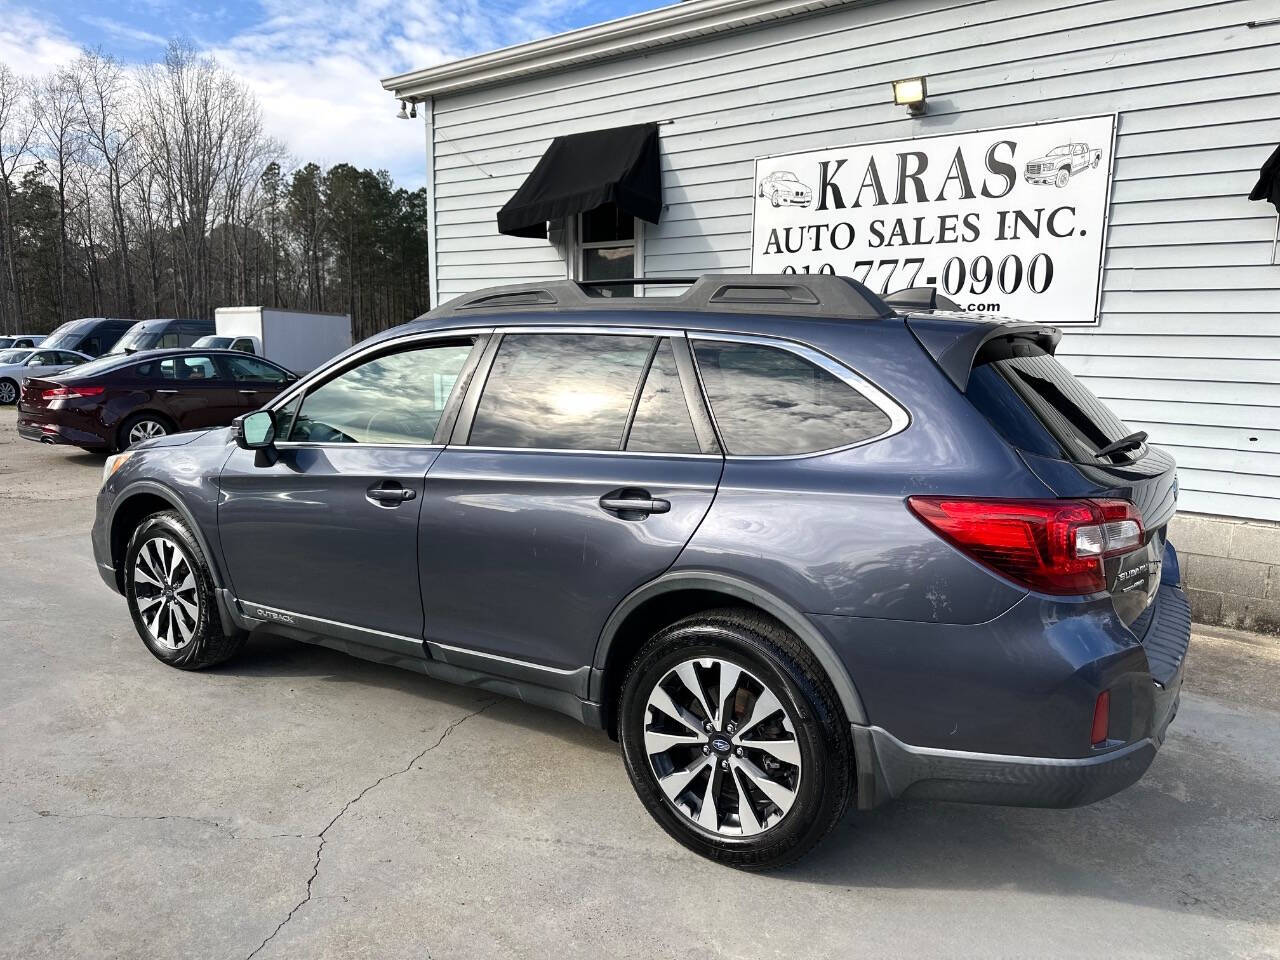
[[1231, 570]]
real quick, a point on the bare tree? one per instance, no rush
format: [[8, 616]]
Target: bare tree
[[55, 107], [16, 132], [102, 89]]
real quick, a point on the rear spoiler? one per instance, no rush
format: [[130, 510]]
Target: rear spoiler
[[954, 343]]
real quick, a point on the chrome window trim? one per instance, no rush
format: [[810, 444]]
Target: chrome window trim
[[582, 450], [899, 418]]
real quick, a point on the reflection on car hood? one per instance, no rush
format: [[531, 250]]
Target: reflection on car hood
[[177, 439]]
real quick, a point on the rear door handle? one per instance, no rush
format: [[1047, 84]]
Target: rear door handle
[[388, 493], [249, 391], [634, 507]]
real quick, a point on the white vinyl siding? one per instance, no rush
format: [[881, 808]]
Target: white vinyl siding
[[1189, 344]]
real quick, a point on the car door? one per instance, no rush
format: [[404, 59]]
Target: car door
[[575, 474], [194, 390], [257, 382], [326, 534]]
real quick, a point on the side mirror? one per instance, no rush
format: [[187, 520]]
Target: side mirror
[[255, 431]]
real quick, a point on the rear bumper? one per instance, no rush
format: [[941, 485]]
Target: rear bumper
[[42, 430], [1145, 682]]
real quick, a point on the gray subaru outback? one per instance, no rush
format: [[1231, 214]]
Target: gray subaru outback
[[792, 544]]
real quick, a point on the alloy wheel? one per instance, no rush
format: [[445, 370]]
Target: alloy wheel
[[164, 586], [8, 393], [146, 430], [723, 747]]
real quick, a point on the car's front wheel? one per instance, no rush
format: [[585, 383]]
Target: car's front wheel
[[8, 392], [171, 595], [1063, 177], [734, 739]]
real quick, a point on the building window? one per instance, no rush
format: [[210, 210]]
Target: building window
[[608, 247]]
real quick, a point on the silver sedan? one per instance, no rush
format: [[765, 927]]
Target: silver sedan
[[26, 362]]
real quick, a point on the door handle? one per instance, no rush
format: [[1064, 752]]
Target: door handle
[[249, 391], [637, 506], [389, 494], [166, 391]]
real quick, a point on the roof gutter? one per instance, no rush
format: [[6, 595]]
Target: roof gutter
[[614, 38]]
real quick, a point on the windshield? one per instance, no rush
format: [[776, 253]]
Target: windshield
[[1059, 151], [786, 175], [135, 339], [14, 356]]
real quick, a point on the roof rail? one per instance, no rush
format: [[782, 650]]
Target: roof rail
[[820, 295]]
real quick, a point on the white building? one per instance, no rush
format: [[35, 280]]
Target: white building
[[1171, 306]]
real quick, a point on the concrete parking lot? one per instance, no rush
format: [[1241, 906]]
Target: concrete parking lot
[[297, 803]]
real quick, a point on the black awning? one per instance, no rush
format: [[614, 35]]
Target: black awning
[[1268, 187], [586, 170]]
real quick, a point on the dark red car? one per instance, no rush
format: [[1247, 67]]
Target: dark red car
[[114, 402]]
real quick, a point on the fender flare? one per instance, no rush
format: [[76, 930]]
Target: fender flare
[[745, 590], [166, 493]]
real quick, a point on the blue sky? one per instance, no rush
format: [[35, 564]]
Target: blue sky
[[314, 64]]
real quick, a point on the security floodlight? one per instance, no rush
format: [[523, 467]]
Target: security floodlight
[[911, 93], [403, 114]]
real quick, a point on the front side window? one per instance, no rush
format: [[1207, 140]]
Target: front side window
[[247, 368], [193, 370], [42, 358], [768, 401], [560, 391], [395, 398]]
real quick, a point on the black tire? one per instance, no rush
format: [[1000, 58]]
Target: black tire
[[8, 392], [205, 644], [122, 435], [783, 665], [1062, 178]]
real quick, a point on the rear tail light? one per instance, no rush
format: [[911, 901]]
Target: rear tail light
[[1101, 719], [1053, 546], [68, 393]]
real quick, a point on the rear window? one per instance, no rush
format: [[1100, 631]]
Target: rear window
[[1040, 407]]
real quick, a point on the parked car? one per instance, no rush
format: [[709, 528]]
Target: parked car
[[791, 547], [17, 364], [117, 401], [785, 189], [243, 344], [13, 341], [1061, 163], [90, 335], [161, 335]]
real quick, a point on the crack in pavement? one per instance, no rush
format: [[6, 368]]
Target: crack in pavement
[[321, 836]]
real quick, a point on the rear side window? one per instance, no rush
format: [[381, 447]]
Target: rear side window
[[662, 423], [247, 368], [1039, 406], [187, 369], [560, 391], [768, 401]]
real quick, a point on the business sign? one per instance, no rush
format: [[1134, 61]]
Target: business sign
[[1007, 221]]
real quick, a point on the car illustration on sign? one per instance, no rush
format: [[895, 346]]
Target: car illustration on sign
[[1061, 163], [784, 189]]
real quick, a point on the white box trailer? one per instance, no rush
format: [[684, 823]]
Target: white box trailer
[[295, 339]]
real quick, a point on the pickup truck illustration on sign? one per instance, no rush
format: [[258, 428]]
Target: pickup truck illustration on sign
[[784, 189], [1061, 163]]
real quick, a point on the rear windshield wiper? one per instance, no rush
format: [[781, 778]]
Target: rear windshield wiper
[[1131, 442]]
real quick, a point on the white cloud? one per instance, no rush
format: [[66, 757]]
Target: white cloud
[[316, 67], [30, 45]]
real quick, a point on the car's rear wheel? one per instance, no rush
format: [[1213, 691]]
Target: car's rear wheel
[[143, 426], [8, 392], [734, 739], [171, 595]]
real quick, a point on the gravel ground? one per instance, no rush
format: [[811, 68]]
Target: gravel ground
[[297, 803]]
